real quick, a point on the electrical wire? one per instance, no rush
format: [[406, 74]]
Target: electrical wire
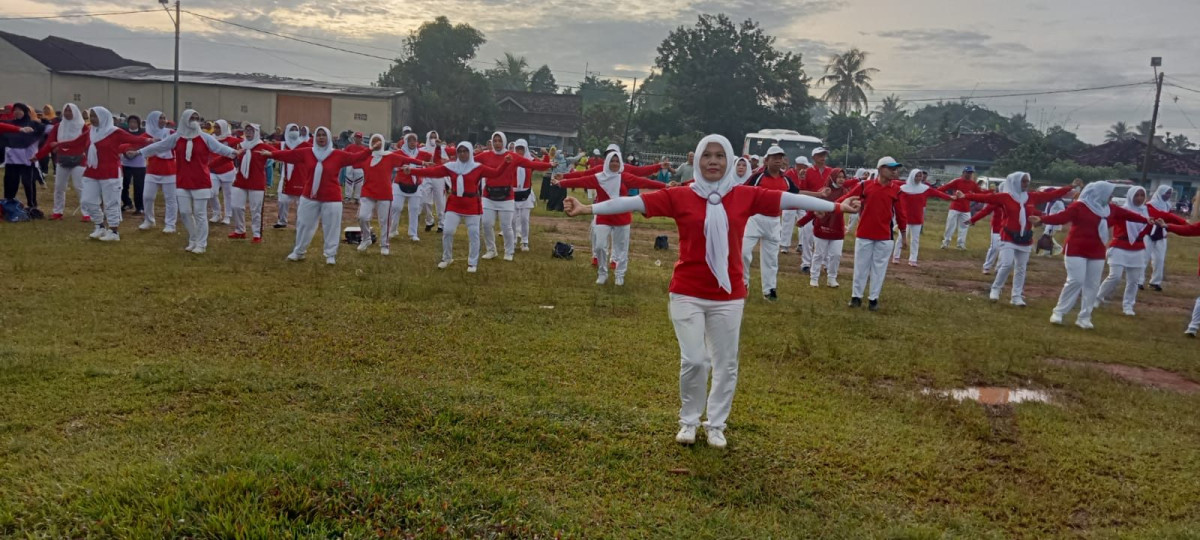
[[71, 15]]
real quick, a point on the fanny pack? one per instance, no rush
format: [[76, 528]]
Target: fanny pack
[[69, 162], [523, 194], [499, 193], [407, 189], [1020, 239]]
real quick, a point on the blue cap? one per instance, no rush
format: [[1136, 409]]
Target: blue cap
[[968, 168]]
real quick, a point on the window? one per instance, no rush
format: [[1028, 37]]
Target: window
[[133, 101], [245, 109], [77, 97], [360, 116], [187, 104]]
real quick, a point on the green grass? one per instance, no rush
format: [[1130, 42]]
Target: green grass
[[152, 393]]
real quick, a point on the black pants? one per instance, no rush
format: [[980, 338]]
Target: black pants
[[137, 177], [16, 176]]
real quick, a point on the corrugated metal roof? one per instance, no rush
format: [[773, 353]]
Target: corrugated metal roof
[[241, 80], [59, 54]]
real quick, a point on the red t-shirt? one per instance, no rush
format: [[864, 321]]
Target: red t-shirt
[[1010, 225], [692, 276], [965, 186], [469, 203], [257, 181], [997, 214], [220, 164], [914, 205], [108, 154], [1083, 239], [628, 181], [880, 206], [815, 180], [377, 178], [329, 189]]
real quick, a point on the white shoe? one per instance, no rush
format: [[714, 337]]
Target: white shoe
[[225, 221], [602, 279], [109, 236], [414, 238], [489, 255], [97, 233], [471, 269], [619, 281], [814, 283], [145, 226], [1129, 313], [190, 247], [442, 265], [508, 257], [833, 284], [366, 243], [1019, 302], [1084, 324], [169, 230], [198, 250], [994, 296], [214, 219], [686, 435], [1055, 318], [716, 437], [330, 261], [524, 247], [385, 251], [295, 258]]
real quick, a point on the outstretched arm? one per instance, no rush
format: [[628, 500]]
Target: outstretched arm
[[217, 147], [620, 205]]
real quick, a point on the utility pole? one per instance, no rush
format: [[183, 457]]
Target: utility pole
[[846, 160], [1155, 62], [174, 19], [629, 115]]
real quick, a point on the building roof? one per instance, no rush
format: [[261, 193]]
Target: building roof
[[967, 148], [1133, 152], [257, 81], [59, 54], [532, 112]]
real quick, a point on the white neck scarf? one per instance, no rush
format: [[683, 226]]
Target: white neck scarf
[[185, 130], [69, 130], [1012, 186], [99, 133], [248, 147], [1132, 228], [913, 186], [320, 152], [377, 155], [1096, 196], [522, 172], [610, 181], [461, 168], [716, 221]]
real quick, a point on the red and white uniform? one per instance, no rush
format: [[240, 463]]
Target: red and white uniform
[[250, 185], [291, 180], [102, 175], [406, 191], [223, 174], [997, 222], [765, 231], [160, 176], [68, 139], [960, 210], [433, 193], [354, 175], [377, 196], [873, 241], [813, 180], [500, 198], [914, 194], [463, 200], [829, 234]]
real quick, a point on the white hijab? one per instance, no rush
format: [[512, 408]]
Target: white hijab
[[503, 143], [184, 130], [1012, 186], [862, 174], [1096, 196], [69, 130], [522, 172], [320, 152], [461, 168], [716, 221], [223, 130], [292, 139], [99, 133], [610, 181], [432, 148], [749, 170], [1132, 228], [248, 145], [377, 155], [158, 133], [410, 151], [913, 186], [1161, 200]]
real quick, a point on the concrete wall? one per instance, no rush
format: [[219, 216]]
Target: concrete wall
[[347, 113], [25, 79]]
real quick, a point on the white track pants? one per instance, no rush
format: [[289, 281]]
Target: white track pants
[[870, 262], [155, 182], [452, 221], [1156, 251], [308, 213], [620, 247], [285, 203], [102, 192], [826, 254], [63, 178], [193, 208], [993, 253], [1194, 326], [788, 227], [382, 210], [521, 222], [354, 184], [1083, 283], [959, 221], [764, 229], [400, 200], [506, 229], [914, 243], [708, 333], [1115, 273], [223, 186], [806, 244], [242, 197], [1014, 260], [433, 197]]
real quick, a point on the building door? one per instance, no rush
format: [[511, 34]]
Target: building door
[[303, 110]]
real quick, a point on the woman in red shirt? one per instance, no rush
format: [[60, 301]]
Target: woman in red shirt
[[1186, 230], [68, 139], [223, 174], [829, 234], [251, 184], [291, 180], [500, 197], [993, 252], [406, 190], [1127, 253], [322, 197], [707, 290], [160, 174], [377, 195], [463, 202], [434, 197], [1090, 219], [913, 195], [102, 178]]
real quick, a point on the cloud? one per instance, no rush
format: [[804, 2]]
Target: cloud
[[942, 40]]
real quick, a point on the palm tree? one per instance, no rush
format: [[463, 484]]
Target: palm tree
[[510, 73], [1143, 130], [1180, 143], [1118, 132], [890, 110], [849, 80]]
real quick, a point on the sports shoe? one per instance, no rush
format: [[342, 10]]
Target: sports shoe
[[524, 247], [97, 232], [994, 295], [986, 272], [472, 269], [1189, 333], [214, 219], [944, 245], [442, 265], [414, 238], [55, 217], [913, 264], [686, 435], [619, 281], [508, 257], [873, 305], [225, 221], [145, 226], [256, 240], [715, 437], [489, 255], [1019, 302], [601, 279], [86, 219], [855, 302], [198, 250], [330, 261], [110, 236], [366, 243], [1084, 324], [385, 251], [1129, 313], [237, 235], [833, 284], [295, 258], [805, 270], [962, 248], [771, 296], [428, 227], [595, 261], [814, 283], [279, 226], [169, 230], [1157, 288], [783, 250], [1055, 318], [190, 247]]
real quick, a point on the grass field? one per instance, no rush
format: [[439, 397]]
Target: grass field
[[149, 393]]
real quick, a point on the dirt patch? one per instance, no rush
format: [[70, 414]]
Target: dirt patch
[[1151, 377]]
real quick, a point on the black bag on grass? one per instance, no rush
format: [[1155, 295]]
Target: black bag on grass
[[563, 251], [660, 242]]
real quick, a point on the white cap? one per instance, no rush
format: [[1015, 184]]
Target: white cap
[[803, 161], [887, 161], [406, 129], [819, 150], [756, 156], [596, 152], [775, 149]]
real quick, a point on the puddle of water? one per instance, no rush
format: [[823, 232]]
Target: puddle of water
[[992, 395], [1152, 377]]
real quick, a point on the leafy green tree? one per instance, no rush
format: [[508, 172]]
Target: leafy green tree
[[850, 79], [1065, 141], [510, 73], [1118, 132], [1179, 143], [603, 124], [596, 90], [1033, 156], [542, 81]]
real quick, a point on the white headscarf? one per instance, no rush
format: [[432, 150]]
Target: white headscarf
[[913, 186], [1133, 228], [503, 143], [432, 148], [377, 155], [185, 130], [1096, 196], [522, 172], [223, 130], [1161, 201], [158, 133], [69, 130], [610, 181], [99, 132], [861, 174], [1012, 186], [716, 222], [320, 152], [248, 145], [749, 170], [416, 147], [460, 168], [292, 139]]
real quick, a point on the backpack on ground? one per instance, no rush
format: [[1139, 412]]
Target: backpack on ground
[[14, 211], [563, 250]]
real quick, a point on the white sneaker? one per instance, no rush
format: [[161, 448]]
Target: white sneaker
[[214, 219], [1055, 318], [833, 284], [97, 233], [414, 238], [385, 251], [716, 437], [330, 261], [295, 258], [442, 265], [366, 243], [814, 283], [471, 269], [1129, 313], [198, 250], [109, 236], [145, 226], [686, 435], [190, 247], [489, 255], [994, 296], [225, 221], [602, 279], [169, 230], [619, 281], [1084, 324], [508, 257], [1019, 302], [524, 247]]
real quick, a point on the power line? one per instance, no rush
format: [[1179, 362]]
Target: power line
[[71, 15], [276, 34], [1024, 94], [1183, 88]]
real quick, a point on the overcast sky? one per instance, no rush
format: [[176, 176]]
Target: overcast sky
[[924, 48]]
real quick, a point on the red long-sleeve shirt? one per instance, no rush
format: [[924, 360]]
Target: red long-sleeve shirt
[[329, 190], [219, 164], [108, 154], [628, 181], [997, 214], [832, 225], [1083, 239], [965, 186], [508, 175], [636, 170], [1010, 226], [470, 202], [914, 205], [257, 181], [377, 178], [406, 179], [1120, 236], [74, 147], [880, 205]]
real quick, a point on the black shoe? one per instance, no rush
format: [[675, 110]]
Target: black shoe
[[440, 230], [855, 302], [805, 270], [771, 296], [873, 305], [428, 228], [279, 226], [1141, 287], [1157, 288]]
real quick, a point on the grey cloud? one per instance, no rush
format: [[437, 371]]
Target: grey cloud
[[965, 41]]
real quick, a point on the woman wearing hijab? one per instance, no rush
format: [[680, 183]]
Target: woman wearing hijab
[[193, 149], [250, 186], [913, 195], [1186, 229], [499, 194], [463, 200], [68, 140], [610, 184], [523, 194], [102, 179], [1127, 252], [997, 222], [1053, 207], [291, 180], [21, 148], [829, 234], [707, 290], [406, 190], [49, 118], [223, 174], [377, 195], [160, 175], [433, 191], [1159, 207], [1016, 232], [1090, 218], [322, 198], [133, 169]]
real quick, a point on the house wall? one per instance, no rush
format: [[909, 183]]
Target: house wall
[[25, 80], [358, 114]]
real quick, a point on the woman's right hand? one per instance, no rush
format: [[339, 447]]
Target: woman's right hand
[[572, 207]]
